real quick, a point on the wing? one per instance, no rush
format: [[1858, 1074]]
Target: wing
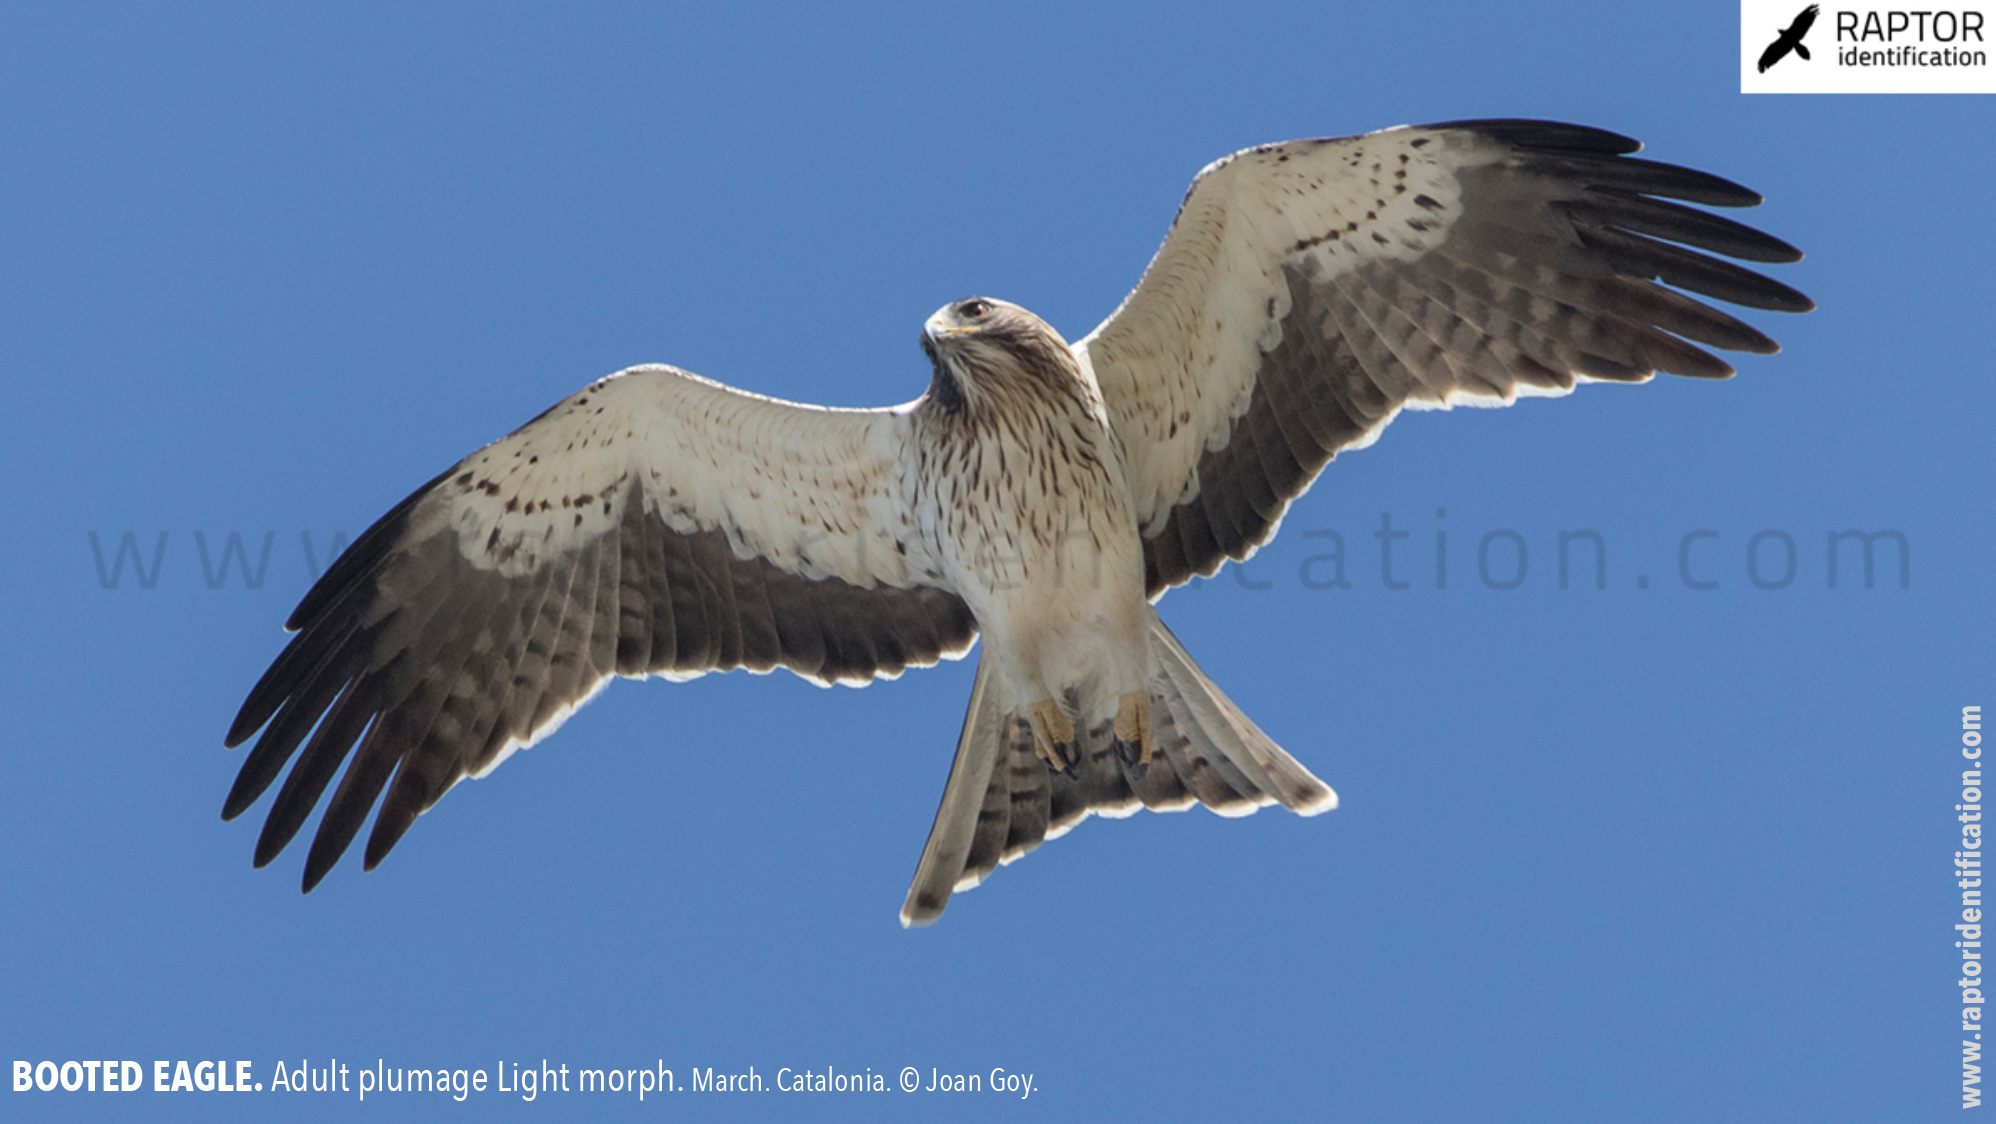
[[1775, 52], [1802, 24], [652, 523], [1309, 291]]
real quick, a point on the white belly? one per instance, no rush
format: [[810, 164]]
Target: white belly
[[1074, 631]]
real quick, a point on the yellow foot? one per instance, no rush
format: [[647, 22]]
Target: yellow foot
[[1133, 724], [1052, 733]]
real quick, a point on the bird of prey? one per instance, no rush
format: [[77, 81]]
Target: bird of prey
[[1041, 494], [1789, 40]]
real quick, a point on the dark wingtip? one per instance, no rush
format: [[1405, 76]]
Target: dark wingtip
[[389, 826], [1675, 181], [318, 863], [240, 729], [1720, 371], [278, 831], [1551, 136], [360, 557], [263, 701], [238, 801], [261, 858], [341, 822], [1776, 297], [1760, 344], [1787, 252], [1808, 304]]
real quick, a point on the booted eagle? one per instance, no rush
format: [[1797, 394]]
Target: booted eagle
[[1040, 493]]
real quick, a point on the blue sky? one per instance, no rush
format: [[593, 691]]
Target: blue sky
[[1642, 852]]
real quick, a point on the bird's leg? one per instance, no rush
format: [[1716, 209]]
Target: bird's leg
[[1133, 724], [1052, 734]]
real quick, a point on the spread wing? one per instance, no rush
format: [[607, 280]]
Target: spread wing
[[652, 523], [1309, 291]]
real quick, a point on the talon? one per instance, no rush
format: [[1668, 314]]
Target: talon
[[1127, 753], [1133, 724], [1052, 734]]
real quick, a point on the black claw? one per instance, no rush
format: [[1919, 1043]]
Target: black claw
[[1132, 755]]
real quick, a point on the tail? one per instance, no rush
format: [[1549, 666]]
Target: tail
[[1002, 800]]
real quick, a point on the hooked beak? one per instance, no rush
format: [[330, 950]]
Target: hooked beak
[[935, 332]]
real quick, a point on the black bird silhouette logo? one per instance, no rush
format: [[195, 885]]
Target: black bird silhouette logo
[[1789, 40]]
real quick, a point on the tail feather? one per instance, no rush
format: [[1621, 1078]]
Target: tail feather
[[1214, 781], [1021, 789], [1002, 800], [958, 819], [1271, 775]]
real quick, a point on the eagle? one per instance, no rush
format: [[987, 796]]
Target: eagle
[[1790, 39], [1040, 494]]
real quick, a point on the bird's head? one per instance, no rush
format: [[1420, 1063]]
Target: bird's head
[[985, 350]]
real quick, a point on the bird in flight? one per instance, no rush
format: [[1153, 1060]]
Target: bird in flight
[[1789, 40], [1040, 494]]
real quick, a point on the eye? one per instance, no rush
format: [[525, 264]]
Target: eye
[[973, 309]]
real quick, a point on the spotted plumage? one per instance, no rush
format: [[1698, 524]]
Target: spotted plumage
[[1041, 494]]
